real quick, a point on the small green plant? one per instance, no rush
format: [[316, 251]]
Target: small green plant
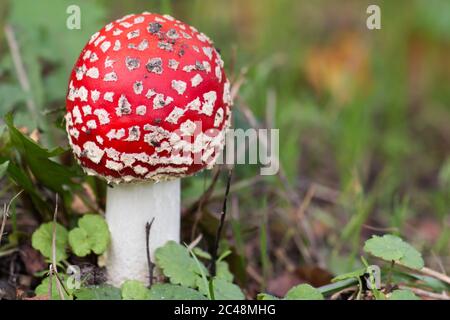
[[43, 289], [369, 283], [92, 235], [182, 266], [42, 241], [189, 279], [300, 292], [134, 290], [393, 249]]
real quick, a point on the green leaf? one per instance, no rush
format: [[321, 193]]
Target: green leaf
[[42, 288], [223, 271], [223, 290], [176, 264], [403, 295], [431, 282], [134, 290], [266, 296], [393, 248], [42, 240], [354, 274], [303, 292], [79, 242], [103, 292], [91, 235], [3, 168], [52, 174], [19, 176], [167, 291], [201, 253]]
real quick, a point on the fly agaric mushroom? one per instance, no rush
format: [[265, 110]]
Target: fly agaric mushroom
[[148, 103]]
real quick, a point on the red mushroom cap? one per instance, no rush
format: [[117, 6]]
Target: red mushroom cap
[[148, 99]]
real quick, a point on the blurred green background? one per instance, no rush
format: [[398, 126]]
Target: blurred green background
[[364, 119]]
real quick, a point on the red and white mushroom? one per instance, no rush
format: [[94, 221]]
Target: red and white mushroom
[[148, 103]]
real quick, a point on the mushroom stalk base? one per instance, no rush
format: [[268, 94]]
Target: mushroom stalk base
[[128, 208]]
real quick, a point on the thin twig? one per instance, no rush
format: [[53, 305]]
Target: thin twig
[[389, 277], [50, 283], [20, 68], [53, 265], [6, 214], [427, 294], [151, 265], [369, 227], [2, 228], [221, 224], [217, 194], [438, 261], [435, 274], [338, 294], [238, 83], [203, 199], [195, 242], [251, 271]]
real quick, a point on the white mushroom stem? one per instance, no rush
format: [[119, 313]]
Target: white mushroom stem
[[128, 208]]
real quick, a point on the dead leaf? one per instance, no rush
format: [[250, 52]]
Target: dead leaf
[[314, 275], [32, 259]]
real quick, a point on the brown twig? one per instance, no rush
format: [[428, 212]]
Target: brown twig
[[6, 214], [50, 283], [251, 271], [217, 194], [369, 227], [20, 68], [427, 294], [195, 242], [54, 269], [337, 295], [238, 83], [198, 206], [221, 224], [435, 274], [2, 228], [151, 265]]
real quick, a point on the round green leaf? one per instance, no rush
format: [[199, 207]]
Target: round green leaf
[[97, 230], [103, 292], [176, 264], [303, 292], [91, 235], [42, 288], [167, 291], [393, 248], [79, 242], [134, 290], [42, 240]]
